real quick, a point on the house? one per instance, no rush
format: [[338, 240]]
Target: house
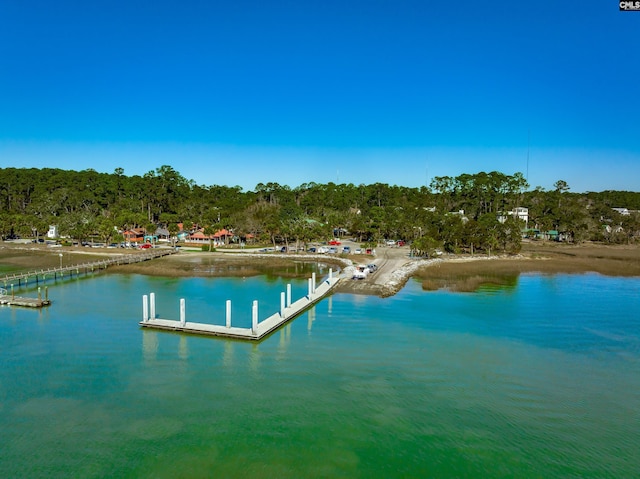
[[199, 237], [519, 212], [622, 211], [162, 233], [53, 231], [222, 236], [134, 235]]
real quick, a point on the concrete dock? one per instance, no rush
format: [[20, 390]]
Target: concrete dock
[[258, 330]]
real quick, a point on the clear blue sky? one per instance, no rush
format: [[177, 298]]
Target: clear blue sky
[[239, 92]]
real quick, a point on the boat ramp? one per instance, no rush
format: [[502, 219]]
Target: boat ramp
[[258, 330]]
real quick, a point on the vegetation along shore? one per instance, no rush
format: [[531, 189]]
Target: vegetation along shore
[[453, 272], [439, 233]]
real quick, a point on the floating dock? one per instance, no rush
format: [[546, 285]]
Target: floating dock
[[258, 329], [12, 300]]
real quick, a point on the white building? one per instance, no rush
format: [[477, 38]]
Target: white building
[[622, 211], [520, 213], [53, 231]]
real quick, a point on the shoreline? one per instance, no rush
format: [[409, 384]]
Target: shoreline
[[395, 268]]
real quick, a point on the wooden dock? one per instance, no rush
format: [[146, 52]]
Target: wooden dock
[[41, 276], [258, 329], [11, 300]]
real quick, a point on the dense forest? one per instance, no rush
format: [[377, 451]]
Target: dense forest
[[467, 213]]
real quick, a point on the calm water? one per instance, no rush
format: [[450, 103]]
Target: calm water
[[540, 380]]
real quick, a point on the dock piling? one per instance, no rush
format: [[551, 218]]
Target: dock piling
[[145, 309], [152, 305], [183, 317], [254, 317], [289, 295], [228, 313], [313, 283], [282, 303]]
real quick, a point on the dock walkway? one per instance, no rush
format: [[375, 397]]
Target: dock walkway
[[20, 279], [258, 329]]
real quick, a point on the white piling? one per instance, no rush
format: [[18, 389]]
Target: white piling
[[228, 313], [313, 282], [289, 295], [254, 317], [282, 304], [152, 305], [310, 288], [145, 309], [183, 317], [330, 275]]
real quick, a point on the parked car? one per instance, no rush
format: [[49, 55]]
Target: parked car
[[346, 250], [400, 243], [360, 272], [146, 246], [357, 251], [332, 250], [312, 250], [372, 267], [334, 242]]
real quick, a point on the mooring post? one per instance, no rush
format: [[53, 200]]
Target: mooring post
[[39, 294], [330, 275], [152, 305], [289, 295], [12, 295], [145, 309], [254, 317], [46, 293], [282, 303], [313, 281], [183, 317], [309, 295], [228, 313]]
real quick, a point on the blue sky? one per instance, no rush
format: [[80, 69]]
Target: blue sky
[[242, 92]]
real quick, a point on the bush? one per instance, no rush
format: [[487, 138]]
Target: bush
[[205, 248]]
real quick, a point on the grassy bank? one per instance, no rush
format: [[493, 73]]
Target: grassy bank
[[467, 274]]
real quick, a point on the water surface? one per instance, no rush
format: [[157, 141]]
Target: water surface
[[539, 380]]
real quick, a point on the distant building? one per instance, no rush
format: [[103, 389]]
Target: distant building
[[53, 231], [520, 213], [622, 211]]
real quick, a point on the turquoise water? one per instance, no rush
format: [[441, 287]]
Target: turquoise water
[[540, 380]]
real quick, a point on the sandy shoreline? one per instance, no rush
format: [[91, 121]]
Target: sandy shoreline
[[462, 273]]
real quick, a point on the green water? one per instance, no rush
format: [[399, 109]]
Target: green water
[[538, 380]]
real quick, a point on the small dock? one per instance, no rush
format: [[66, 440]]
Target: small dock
[[11, 300], [258, 330]]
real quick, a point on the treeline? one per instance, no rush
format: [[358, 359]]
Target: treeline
[[464, 213]]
